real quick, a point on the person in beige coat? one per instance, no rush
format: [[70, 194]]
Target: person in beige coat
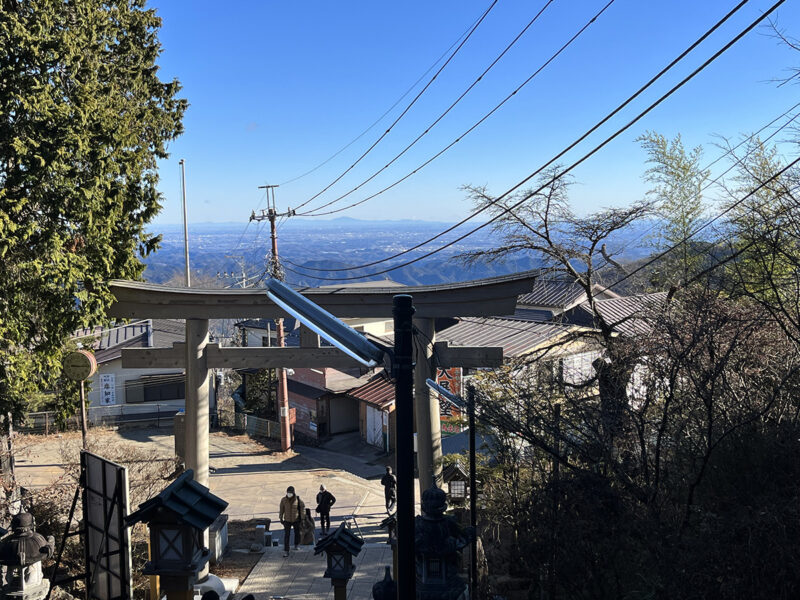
[[291, 512]]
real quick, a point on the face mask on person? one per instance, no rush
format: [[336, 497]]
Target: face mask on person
[[290, 495]]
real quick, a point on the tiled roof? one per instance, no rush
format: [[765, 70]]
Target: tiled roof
[[165, 332], [303, 389], [516, 336], [557, 294], [378, 391], [532, 314], [454, 471], [192, 502], [624, 313]]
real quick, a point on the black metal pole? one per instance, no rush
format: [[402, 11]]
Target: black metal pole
[[402, 311], [473, 495]]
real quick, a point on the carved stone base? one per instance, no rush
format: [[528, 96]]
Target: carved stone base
[[31, 592]]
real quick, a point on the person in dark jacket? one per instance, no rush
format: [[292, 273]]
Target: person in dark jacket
[[324, 502], [389, 483], [290, 514]]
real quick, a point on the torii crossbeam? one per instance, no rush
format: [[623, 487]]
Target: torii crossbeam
[[485, 297]]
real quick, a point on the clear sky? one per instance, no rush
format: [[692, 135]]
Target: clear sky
[[276, 88]]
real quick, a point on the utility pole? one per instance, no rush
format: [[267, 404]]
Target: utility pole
[[185, 223], [241, 276], [275, 271]]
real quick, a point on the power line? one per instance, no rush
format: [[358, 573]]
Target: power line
[[390, 109], [636, 239], [442, 115], [468, 131], [241, 237], [472, 128], [585, 157], [402, 114], [708, 223]]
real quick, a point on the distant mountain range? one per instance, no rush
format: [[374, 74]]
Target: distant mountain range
[[221, 252]]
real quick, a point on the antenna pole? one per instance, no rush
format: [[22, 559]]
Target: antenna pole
[[185, 223]]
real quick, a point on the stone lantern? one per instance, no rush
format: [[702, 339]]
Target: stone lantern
[[340, 547], [177, 518], [21, 553], [439, 540], [457, 480]]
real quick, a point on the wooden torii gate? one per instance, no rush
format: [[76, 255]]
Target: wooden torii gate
[[136, 300]]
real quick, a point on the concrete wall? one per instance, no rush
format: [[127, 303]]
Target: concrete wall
[[373, 326], [255, 337], [121, 375]]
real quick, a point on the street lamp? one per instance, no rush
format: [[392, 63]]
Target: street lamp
[[473, 485], [341, 335]]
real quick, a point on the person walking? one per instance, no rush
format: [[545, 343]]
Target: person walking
[[292, 510], [389, 483], [324, 502]]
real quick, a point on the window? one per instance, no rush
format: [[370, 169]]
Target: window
[[155, 388], [578, 368], [159, 392], [265, 341], [458, 489], [434, 569]]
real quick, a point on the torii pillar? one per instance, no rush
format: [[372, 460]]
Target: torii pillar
[[426, 408], [197, 404]]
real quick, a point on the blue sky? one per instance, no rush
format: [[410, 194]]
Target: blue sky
[[275, 88]]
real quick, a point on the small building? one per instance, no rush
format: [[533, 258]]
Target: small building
[[376, 403], [263, 333], [112, 385], [551, 298], [627, 315]]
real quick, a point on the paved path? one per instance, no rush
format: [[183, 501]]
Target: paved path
[[299, 577], [252, 479]]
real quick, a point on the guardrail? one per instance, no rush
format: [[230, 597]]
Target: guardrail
[[103, 416], [250, 424]]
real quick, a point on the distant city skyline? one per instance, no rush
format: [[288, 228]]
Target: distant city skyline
[[276, 88]]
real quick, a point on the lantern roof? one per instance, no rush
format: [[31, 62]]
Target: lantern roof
[[344, 538], [192, 503], [454, 472]]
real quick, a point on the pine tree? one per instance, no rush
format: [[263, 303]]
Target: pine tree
[[83, 119]]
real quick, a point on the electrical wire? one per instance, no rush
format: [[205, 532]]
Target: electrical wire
[[442, 115], [714, 181], [708, 223], [731, 150], [390, 109], [402, 114], [574, 143], [239, 241], [472, 128], [506, 210]]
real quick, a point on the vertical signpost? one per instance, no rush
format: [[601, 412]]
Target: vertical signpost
[[79, 366]]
